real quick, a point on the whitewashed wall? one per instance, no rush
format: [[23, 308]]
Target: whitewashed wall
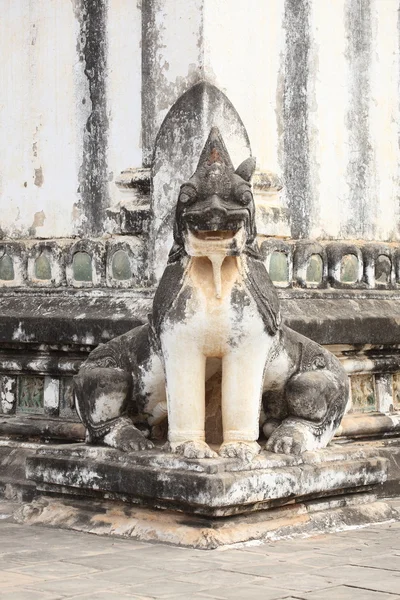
[[85, 87]]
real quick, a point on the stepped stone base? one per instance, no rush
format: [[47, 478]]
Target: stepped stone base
[[153, 496]]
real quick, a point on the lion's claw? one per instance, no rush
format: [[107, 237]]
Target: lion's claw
[[243, 450], [128, 439], [191, 449], [289, 439]]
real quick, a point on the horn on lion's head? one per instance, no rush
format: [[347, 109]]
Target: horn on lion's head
[[215, 174]]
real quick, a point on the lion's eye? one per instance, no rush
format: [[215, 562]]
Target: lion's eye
[[184, 198], [246, 197]]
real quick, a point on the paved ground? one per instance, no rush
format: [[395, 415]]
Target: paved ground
[[47, 564]]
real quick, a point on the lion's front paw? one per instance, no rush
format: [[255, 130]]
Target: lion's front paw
[[289, 439], [191, 449], [127, 438], [243, 450]]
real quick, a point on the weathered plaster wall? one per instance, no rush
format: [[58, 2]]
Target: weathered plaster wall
[[70, 106], [340, 118], [172, 60], [242, 56], [87, 85], [40, 121]]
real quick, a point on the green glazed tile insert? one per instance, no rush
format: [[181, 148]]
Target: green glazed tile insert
[[383, 267], [314, 269], [121, 267], [279, 267], [6, 268], [42, 267], [349, 268], [82, 266]]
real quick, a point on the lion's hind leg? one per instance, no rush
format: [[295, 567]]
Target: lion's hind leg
[[316, 401], [101, 399]]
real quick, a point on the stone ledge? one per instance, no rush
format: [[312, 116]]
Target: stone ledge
[[98, 316], [42, 428]]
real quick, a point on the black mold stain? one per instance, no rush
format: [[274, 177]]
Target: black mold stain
[[179, 312], [93, 174], [239, 301], [149, 54], [358, 53], [295, 116]]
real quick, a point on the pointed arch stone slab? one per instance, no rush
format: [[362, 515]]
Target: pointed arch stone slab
[[178, 146]]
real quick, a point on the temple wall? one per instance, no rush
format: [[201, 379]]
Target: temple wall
[[93, 88], [86, 87]]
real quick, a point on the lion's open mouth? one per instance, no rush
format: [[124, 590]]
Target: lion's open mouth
[[214, 235], [204, 242]]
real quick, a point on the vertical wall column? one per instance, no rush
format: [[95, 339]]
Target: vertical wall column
[[385, 117], [328, 105]]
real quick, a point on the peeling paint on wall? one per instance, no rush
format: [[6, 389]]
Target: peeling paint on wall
[[39, 177]]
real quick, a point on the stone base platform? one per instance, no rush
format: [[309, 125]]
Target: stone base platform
[[154, 496]]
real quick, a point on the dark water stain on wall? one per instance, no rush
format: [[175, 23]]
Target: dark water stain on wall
[[359, 221], [150, 48], [295, 115], [93, 174]]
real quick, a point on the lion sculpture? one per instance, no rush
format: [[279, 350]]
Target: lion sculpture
[[215, 300]]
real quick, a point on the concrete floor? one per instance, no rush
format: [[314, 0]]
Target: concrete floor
[[47, 564]]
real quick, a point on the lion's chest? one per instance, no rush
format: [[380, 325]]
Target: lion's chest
[[214, 325]]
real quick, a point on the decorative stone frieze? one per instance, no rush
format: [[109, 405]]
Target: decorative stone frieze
[[291, 263]]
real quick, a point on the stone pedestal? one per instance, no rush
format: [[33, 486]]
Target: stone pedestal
[[211, 487]]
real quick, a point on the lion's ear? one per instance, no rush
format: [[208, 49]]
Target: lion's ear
[[246, 169]]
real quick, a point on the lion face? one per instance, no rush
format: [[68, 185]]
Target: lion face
[[215, 210]]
